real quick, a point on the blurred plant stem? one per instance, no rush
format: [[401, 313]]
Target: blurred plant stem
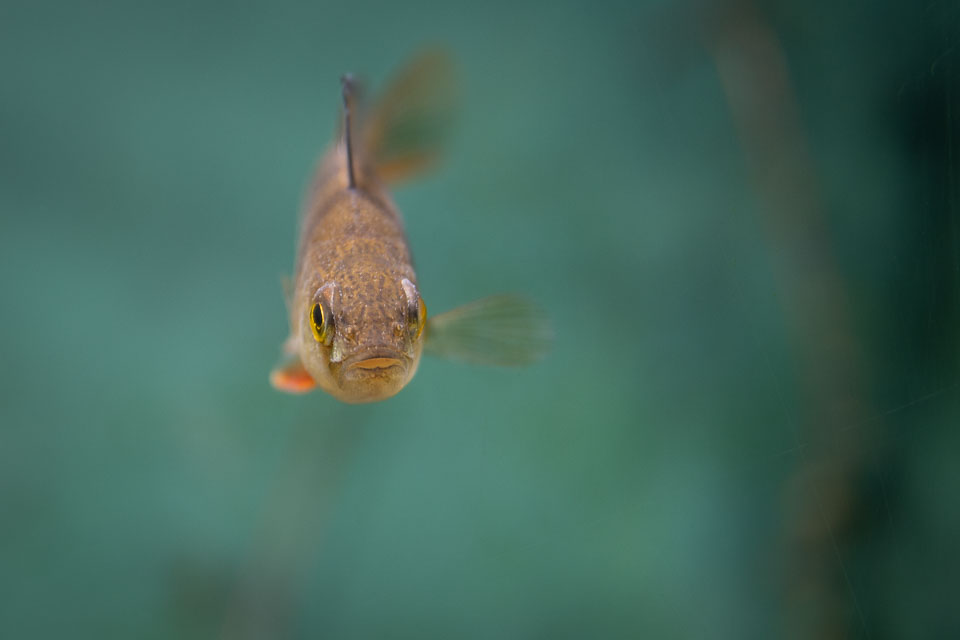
[[295, 515], [822, 497]]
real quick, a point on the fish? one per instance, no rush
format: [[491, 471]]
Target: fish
[[358, 321]]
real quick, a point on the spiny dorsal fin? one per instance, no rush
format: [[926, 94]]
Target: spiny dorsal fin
[[347, 87]]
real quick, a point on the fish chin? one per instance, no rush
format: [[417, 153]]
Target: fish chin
[[372, 377]]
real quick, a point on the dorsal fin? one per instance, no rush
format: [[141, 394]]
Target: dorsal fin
[[347, 86], [404, 130]]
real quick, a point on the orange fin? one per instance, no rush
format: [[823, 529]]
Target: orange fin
[[291, 377]]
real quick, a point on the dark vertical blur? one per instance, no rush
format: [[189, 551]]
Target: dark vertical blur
[[822, 497], [843, 494]]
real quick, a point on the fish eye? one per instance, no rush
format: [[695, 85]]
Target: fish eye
[[421, 316], [416, 309], [319, 323], [418, 318]]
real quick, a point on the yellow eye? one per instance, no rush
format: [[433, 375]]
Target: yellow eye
[[318, 323], [416, 311], [421, 316]]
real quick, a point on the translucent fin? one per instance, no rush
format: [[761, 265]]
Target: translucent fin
[[287, 283], [290, 376], [404, 130], [505, 330]]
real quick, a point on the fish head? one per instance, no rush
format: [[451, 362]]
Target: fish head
[[362, 338]]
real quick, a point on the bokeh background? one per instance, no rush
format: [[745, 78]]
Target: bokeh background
[[741, 216]]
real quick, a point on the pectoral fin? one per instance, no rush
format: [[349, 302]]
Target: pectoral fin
[[291, 377], [287, 283], [505, 330]]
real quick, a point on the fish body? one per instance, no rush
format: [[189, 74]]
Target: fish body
[[355, 262], [358, 324]]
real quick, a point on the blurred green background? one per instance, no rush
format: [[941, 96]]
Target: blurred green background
[[742, 218]]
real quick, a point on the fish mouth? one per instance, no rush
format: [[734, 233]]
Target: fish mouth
[[380, 363], [376, 362], [373, 374]]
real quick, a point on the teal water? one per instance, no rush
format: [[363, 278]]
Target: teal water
[[746, 427]]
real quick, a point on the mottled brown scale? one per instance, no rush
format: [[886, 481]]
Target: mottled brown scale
[[354, 239]]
